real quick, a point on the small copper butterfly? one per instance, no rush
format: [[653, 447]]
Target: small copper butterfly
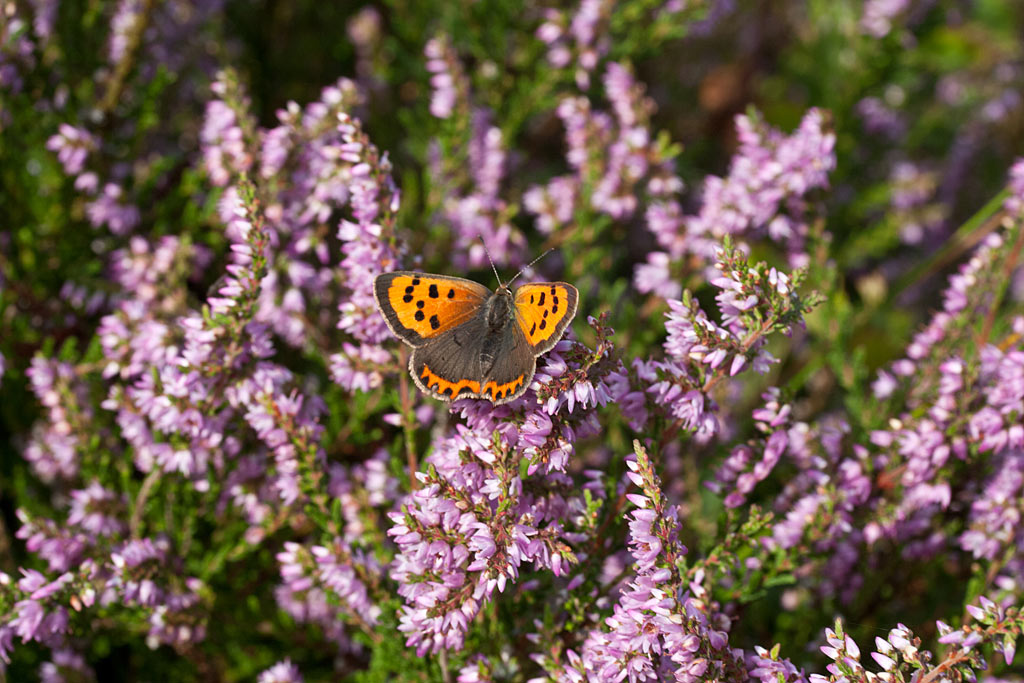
[[470, 342]]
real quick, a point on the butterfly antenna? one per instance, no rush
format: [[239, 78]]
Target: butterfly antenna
[[530, 265], [484, 244]]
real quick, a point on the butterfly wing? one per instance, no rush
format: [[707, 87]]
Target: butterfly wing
[[476, 359], [418, 306], [543, 311], [450, 365], [509, 367]]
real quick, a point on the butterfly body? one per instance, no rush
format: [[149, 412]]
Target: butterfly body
[[469, 341]]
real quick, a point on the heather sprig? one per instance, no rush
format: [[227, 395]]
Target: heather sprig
[[754, 301], [901, 658]]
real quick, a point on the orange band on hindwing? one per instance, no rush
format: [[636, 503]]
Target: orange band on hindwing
[[499, 391], [442, 386]]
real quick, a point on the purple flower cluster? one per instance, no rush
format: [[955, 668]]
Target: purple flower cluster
[[578, 41], [470, 168], [327, 586], [282, 672], [613, 156], [765, 191], [752, 462], [194, 396], [913, 205], [476, 519], [879, 16], [901, 657], [855, 501], [661, 628], [447, 78], [764, 195], [753, 301], [1015, 202], [52, 452]]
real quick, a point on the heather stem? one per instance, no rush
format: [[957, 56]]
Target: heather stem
[[1011, 264], [408, 423], [140, 501], [117, 80]]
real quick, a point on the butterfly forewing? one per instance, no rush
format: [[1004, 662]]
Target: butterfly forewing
[[544, 310], [419, 306]]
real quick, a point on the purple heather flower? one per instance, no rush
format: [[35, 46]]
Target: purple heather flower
[[447, 79], [358, 368], [97, 511], [666, 222], [956, 299], [282, 672], [741, 471], [52, 451], [135, 563], [880, 119], [479, 218], [553, 204], [478, 669], [127, 14], [66, 665], [655, 276], [879, 15], [763, 667], [60, 546], [178, 621], [455, 553], [319, 572], [72, 146], [768, 178], [1015, 202], [223, 143], [582, 38], [33, 621], [658, 630], [109, 210]]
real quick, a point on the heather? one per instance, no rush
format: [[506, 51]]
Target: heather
[[781, 441]]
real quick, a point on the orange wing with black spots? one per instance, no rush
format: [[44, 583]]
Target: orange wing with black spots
[[543, 311], [419, 307]]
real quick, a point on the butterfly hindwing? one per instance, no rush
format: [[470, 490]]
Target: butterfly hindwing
[[475, 360], [450, 365], [421, 306], [510, 366], [543, 311]]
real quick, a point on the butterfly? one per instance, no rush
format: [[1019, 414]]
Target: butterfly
[[470, 342]]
